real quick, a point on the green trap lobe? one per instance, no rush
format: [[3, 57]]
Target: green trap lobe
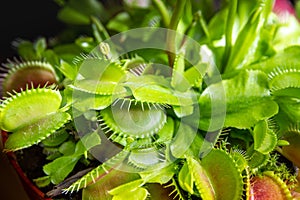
[[28, 106], [36, 132], [224, 175]]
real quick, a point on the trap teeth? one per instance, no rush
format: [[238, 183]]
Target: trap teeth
[[141, 121], [21, 75]]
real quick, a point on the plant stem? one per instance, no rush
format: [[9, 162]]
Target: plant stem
[[100, 32], [204, 25], [228, 32], [171, 35], [163, 12]]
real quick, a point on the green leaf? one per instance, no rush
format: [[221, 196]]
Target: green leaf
[[98, 87], [60, 168], [290, 54], [50, 56], [256, 159], [247, 38], [135, 82], [72, 16], [125, 187], [56, 139], [97, 76], [240, 159], [248, 101], [26, 50], [87, 142], [53, 155], [142, 120], [89, 7], [211, 138], [120, 22], [186, 179], [36, 132], [30, 106], [199, 28], [100, 69], [195, 74], [137, 194], [201, 179], [229, 31], [159, 94], [157, 89], [178, 81], [67, 148], [40, 46], [70, 71], [290, 107], [183, 111], [152, 19], [99, 31], [289, 91], [164, 172], [68, 51], [90, 140], [165, 134], [283, 143], [145, 158], [284, 81], [186, 18], [217, 24], [266, 109], [42, 181], [224, 175], [78, 12], [264, 47], [183, 140], [84, 101], [265, 139]]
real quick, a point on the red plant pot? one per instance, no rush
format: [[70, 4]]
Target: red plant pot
[[33, 192]]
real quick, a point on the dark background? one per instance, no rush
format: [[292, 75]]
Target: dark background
[[26, 19], [31, 19]]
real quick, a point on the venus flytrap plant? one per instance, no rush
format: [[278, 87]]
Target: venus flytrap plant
[[18, 73], [60, 168], [40, 116], [125, 123]]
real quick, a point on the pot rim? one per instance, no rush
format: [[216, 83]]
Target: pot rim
[[32, 190]]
